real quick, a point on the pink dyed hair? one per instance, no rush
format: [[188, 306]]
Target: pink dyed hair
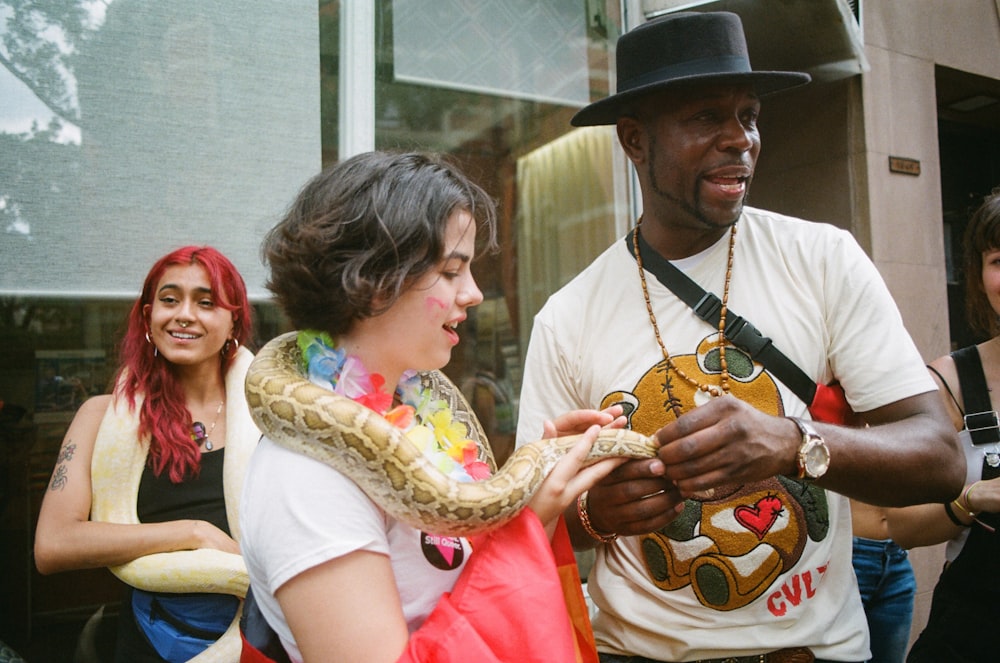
[[164, 417]]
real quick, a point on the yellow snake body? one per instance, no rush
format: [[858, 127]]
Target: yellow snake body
[[387, 466], [116, 470]]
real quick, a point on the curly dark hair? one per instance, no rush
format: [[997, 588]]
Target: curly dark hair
[[981, 235], [363, 230]]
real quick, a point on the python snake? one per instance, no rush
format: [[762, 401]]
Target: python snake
[[382, 461], [116, 471]]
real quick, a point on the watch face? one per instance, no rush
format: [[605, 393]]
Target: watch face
[[817, 459]]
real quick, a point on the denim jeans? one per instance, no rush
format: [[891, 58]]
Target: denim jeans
[[887, 586]]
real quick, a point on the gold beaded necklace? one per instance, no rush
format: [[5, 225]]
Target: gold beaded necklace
[[711, 390]]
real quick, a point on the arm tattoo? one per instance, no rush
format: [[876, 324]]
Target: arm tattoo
[[59, 475]]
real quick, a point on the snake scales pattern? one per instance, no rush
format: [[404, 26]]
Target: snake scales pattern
[[383, 462]]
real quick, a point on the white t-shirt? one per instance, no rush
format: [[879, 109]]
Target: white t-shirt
[[297, 513], [769, 565]]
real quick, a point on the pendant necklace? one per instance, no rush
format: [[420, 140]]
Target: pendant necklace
[[711, 390], [200, 435]]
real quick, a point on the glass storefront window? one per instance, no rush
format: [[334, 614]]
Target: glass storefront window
[[493, 84], [128, 129]]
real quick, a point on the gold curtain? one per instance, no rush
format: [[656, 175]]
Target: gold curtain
[[566, 200]]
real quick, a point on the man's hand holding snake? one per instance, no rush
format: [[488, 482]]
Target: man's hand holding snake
[[725, 442], [635, 498]]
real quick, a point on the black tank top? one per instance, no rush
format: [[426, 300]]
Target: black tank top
[[199, 498]]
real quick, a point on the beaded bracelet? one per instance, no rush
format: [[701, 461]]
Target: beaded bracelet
[[581, 510]]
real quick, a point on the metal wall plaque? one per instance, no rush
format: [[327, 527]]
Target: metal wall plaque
[[904, 165]]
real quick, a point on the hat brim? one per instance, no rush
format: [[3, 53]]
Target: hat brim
[[608, 110]]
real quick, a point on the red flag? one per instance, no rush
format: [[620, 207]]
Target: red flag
[[519, 598], [510, 603]]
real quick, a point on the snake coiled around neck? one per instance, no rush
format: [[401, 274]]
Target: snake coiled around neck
[[390, 469]]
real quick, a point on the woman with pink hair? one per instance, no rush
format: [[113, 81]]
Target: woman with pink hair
[[156, 466]]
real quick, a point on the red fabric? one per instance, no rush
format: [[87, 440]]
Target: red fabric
[[519, 598], [250, 654], [508, 604], [830, 405], [576, 605]]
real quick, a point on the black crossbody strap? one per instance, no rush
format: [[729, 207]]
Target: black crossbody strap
[[739, 331]]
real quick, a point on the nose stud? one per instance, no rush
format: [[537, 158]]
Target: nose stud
[[183, 324]]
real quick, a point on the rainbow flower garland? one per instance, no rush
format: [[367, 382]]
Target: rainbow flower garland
[[426, 421]]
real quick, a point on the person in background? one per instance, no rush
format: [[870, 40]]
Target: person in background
[[735, 542], [965, 607], [372, 264], [168, 448], [886, 581]]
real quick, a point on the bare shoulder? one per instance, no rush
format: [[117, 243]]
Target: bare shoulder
[[75, 455], [945, 367], [93, 408], [87, 420], [945, 374]]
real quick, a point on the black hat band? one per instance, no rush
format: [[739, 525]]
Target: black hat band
[[714, 66]]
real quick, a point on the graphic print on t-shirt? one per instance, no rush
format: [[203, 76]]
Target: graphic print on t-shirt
[[729, 546], [443, 552]]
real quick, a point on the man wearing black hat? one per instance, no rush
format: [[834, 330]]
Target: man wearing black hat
[[735, 543]]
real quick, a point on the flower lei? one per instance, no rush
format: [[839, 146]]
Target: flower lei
[[426, 421]]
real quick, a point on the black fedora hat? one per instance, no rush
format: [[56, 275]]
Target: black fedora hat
[[682, 48]]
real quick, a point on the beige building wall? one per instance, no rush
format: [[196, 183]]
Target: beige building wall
[[904, 41]]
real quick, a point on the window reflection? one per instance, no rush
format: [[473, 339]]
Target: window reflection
[[174, 124], [491, 84]]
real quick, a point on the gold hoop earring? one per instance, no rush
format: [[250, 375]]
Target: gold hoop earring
[[148, 340]]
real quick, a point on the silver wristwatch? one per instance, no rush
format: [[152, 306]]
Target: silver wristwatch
[[813, 456]]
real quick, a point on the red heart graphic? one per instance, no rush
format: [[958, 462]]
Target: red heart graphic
[[760, 517]]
